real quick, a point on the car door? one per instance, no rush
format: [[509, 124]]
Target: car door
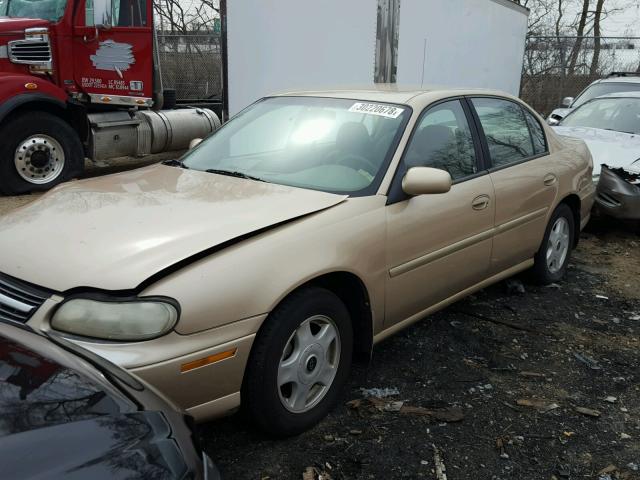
[[523, 175], [438, 245], [113, 51]]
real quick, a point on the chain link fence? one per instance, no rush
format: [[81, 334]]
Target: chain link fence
[[558, 67], [191, 64]]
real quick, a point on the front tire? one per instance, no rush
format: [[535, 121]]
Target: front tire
[[38, 151], [552, 258], [299, 363]]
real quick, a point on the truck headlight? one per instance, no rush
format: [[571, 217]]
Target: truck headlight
[[129, 320]]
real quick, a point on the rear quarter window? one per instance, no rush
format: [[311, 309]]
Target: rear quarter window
[[537, 133]]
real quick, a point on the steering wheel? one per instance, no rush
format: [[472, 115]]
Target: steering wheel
[[352, 159]]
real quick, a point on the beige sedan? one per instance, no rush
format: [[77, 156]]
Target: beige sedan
[[309, 228]]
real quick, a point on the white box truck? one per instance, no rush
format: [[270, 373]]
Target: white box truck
[[276, 45]]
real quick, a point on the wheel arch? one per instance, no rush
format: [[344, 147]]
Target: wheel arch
[[573, 202], [71, 113], [352, 291]]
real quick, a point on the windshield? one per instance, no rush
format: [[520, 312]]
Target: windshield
[[619, 114], [328, 144], [599, 89], [51, 10]]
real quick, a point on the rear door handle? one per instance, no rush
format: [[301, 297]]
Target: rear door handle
[[480, 202], [550, 179]]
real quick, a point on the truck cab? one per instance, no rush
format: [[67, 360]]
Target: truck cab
[[80, 78]]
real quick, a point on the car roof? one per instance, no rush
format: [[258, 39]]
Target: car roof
[[635, 94], [392, 93], [619, 79]]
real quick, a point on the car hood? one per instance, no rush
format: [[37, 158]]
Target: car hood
[[616, 149], [18, 24], [122, 446], [116, 231]]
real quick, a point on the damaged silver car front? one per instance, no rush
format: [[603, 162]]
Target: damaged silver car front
[[618, 193]]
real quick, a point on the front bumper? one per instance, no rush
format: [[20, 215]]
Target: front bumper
[[207, 391], [616, 196]]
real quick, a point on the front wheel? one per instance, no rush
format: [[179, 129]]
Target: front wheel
[[299, 363], [38, 150], [552, 258]]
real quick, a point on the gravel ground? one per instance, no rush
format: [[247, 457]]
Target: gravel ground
[[515, 382]]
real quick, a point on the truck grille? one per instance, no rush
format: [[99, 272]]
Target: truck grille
[[31, 52], [18, 302]]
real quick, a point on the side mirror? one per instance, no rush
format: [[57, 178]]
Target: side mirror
[[194, 143], [426, 180], [567, 101]]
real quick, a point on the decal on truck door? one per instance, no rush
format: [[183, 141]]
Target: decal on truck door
[[113, 56]]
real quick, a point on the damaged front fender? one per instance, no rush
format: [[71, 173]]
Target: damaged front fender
[[618, 193]]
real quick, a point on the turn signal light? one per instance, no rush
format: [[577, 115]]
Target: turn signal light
[[201, 362], [31, 86]]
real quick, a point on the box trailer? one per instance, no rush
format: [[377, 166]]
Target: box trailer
[[275, 45]]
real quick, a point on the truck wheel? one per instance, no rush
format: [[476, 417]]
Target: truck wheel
[[299, 362], [38, 151]]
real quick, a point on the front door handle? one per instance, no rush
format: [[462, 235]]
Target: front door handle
[[480, 202], [550, 179]]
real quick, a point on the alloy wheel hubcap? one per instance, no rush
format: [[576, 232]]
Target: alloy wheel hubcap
[[309, 364], [558, 245], [39, 159]]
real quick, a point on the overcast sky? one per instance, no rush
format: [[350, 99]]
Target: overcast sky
[[624, 22]]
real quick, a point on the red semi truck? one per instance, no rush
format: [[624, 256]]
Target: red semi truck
[[80, 78]]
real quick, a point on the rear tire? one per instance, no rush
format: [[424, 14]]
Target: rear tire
[[38, 151], [284, 361], [552, 258]]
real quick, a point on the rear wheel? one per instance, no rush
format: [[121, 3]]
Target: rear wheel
[[552, 258], [38, 151], [299, 363]]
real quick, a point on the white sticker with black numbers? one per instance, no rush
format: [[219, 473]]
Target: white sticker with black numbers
[[388, 111]]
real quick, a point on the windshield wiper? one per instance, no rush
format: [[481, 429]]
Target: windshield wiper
[[175, 163], [621, 131], [231, 173]]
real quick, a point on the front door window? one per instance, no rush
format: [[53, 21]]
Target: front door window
[[443, 140]]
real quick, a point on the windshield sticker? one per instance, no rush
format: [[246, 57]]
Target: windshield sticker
[[388, 111]]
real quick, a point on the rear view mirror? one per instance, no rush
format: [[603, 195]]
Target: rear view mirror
[[425, 181], [567, 101]]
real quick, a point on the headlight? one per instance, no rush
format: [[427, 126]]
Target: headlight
[[116, 320]]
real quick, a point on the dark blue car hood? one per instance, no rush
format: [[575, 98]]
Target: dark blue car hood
[[56, 422]]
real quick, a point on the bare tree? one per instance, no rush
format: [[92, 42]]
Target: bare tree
[[595, 60], [582, 23], [183, 16]]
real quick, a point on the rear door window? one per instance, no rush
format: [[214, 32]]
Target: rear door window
[[505, 129]]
